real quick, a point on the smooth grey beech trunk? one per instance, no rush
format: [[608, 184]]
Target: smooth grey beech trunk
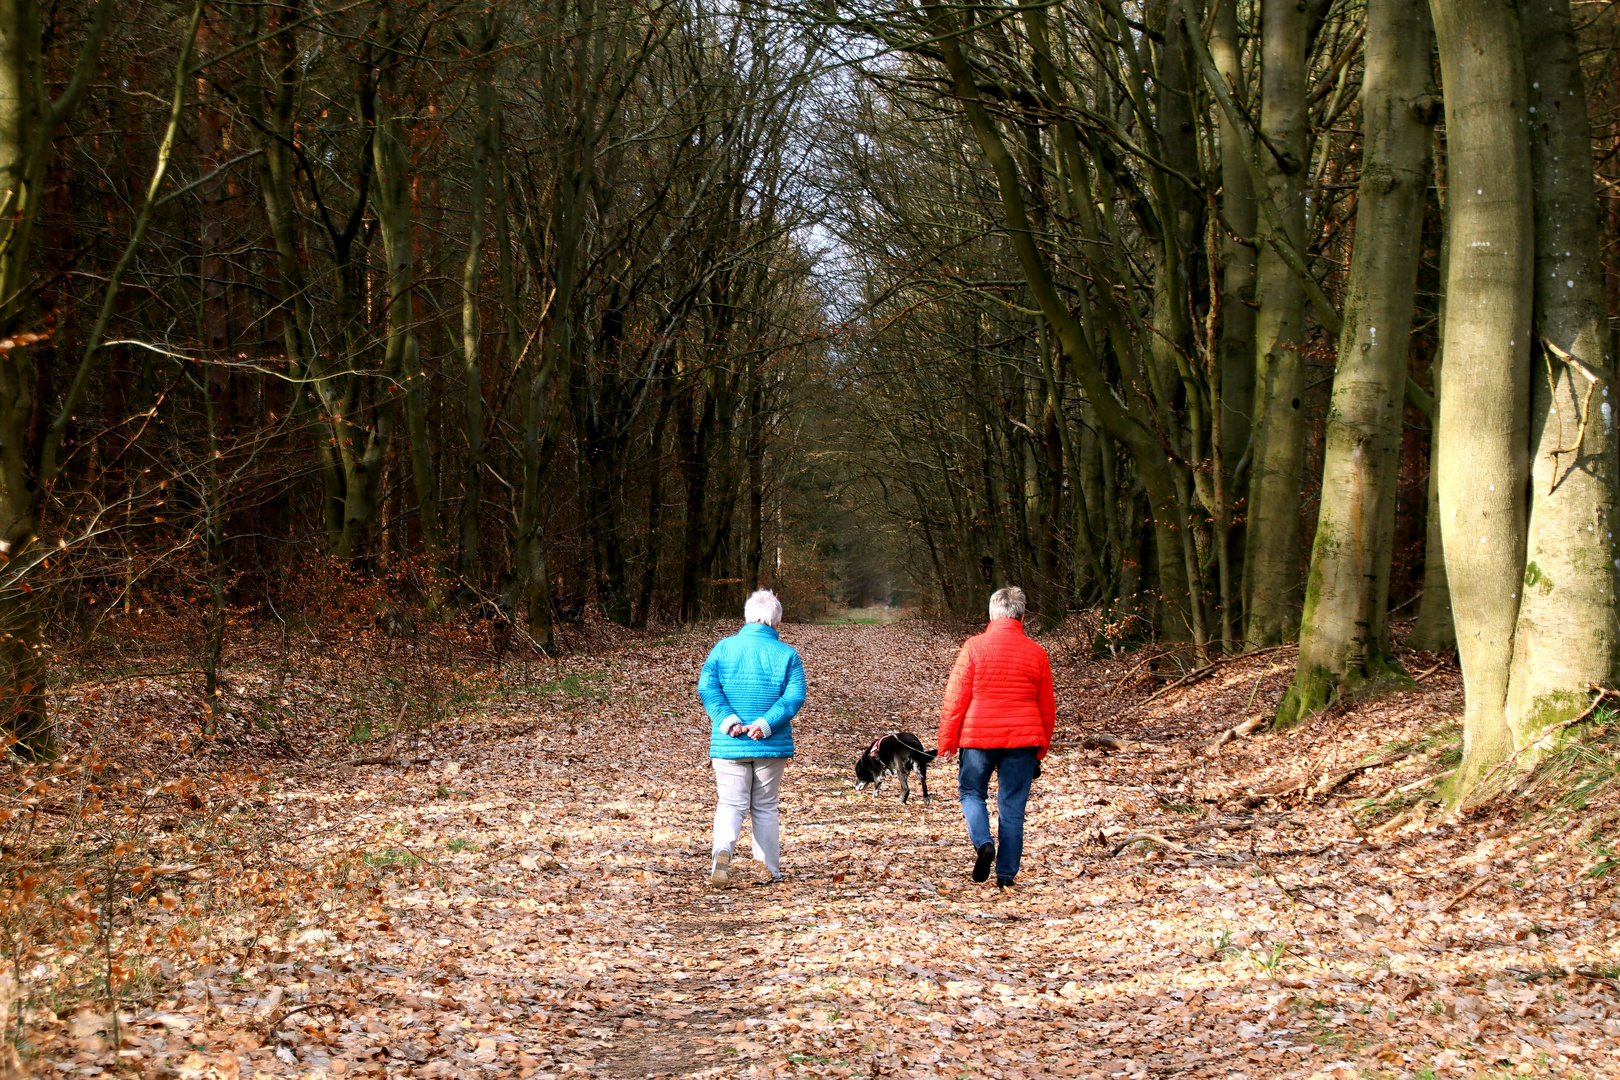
[[1433, 630], [1483, 433], [1566, 637], [1344, 632]]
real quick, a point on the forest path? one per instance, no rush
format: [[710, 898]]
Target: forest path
[[565, 925]]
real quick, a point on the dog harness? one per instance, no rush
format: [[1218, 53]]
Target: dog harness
[[877, 742]]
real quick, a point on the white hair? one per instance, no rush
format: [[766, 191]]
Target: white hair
[[1008, 603], [763, 607]]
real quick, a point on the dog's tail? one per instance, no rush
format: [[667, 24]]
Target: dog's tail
[[916, 746]]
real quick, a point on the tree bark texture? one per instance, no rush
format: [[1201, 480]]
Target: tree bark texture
[[1483, 433], [1566, 633], [1344, 633], [1237, 253], [403, 362], [472, 495], [1271, 558], [1433, 630]]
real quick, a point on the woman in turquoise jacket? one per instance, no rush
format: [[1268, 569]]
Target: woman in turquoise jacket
[[752, 685]]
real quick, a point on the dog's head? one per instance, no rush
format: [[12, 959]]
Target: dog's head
[[867, 768]]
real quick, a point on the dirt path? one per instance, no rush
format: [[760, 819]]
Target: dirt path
[[539, 908]]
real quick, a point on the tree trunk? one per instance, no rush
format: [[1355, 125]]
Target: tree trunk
[[691, 434], [29, 120], [1344, 634], [402, 364], [655, 510], [1271, 559], [1237, 252], [1483, 434], [22, 676], [1236, 347], [756, 476], [1432, 631], [472, 494], [1566, 633]]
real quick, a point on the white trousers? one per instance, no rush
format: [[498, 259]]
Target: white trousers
[[749, 788]]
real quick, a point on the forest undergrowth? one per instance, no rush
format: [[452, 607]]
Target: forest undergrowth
[[406, 862]]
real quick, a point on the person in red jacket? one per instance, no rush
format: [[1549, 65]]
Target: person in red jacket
[[999, 711]]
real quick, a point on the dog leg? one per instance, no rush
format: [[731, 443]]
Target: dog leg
[[922, 774], [905, 788]]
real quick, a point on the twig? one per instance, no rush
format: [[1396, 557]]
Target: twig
[[1561, 973], [282, 1019], [1424, 780], [1286, 890], [1103, 741], [1230, 826], [1479, 883], [1137, 837], [1426, 672], [385, 759], [1294, 853]]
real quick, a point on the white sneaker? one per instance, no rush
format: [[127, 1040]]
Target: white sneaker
[[720, 873]]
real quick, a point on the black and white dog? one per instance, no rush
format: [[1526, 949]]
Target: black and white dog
[[898, 754]]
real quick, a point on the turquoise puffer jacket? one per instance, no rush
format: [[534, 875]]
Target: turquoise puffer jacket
[[752, 675]]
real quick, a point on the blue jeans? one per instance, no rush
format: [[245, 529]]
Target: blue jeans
[[1015, 770]]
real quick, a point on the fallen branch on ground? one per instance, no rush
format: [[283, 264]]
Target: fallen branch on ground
[[384, 759], [1154, 838], [1331, 782], [1104, 741], [1230, 826], [1328, 781], [1236, 731], [1466, 893], [1209, 669], [1561, 973]]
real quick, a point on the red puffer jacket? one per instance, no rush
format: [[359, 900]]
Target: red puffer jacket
[[1000, 693]]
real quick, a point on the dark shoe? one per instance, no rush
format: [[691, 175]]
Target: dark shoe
[[986, 859], [1004, 883]]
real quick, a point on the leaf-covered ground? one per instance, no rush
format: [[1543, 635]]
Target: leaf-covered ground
[[532, 901]]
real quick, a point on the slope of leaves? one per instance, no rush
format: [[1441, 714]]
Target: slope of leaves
[[530, 900]]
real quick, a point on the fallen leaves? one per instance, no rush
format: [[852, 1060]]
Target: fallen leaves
[[532, 902]]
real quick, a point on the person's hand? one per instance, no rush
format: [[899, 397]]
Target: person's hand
[[733, 726], [755, 731]]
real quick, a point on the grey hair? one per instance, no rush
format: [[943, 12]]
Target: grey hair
[[763, 607], [1008, 603]]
